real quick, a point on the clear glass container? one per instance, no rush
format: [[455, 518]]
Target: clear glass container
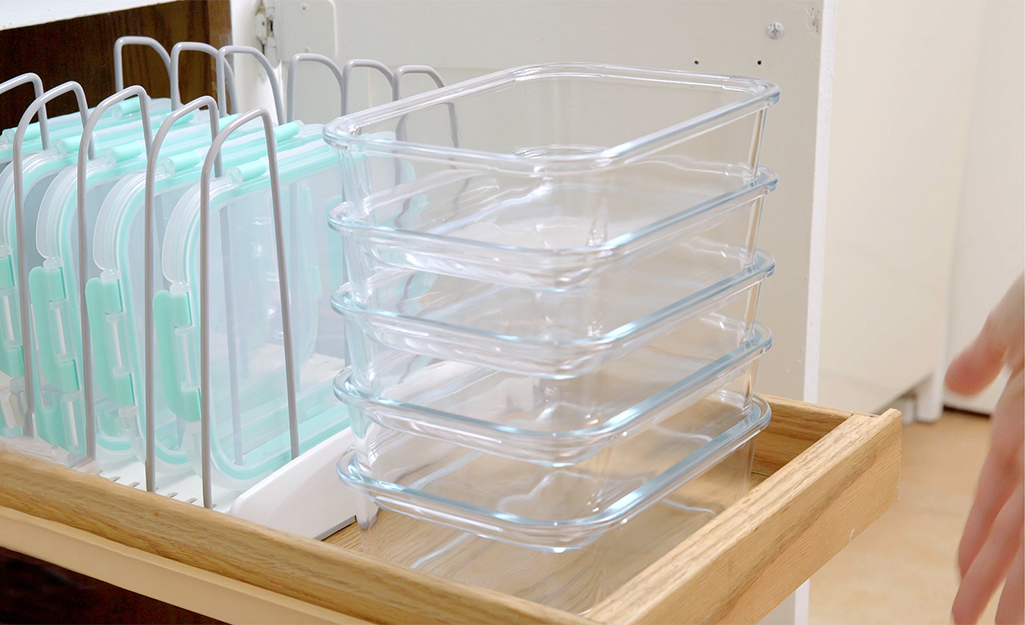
[[403, 379], [592, 295], [514, 205], [570, 565], [587, 129], [558, 507], [540, 354]]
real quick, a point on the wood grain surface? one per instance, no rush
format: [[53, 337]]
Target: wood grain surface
[[828, 475], [795, 426], [739, 566], [311, 571], [346, 538], [166, 580]]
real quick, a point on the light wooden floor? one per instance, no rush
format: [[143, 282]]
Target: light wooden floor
[[902, 570]]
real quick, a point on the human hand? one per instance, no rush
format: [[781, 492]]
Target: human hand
[[991, 549]]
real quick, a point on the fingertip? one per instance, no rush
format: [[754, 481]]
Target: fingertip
[[962, 613], [962, 379], [974, 368], [954, 379]]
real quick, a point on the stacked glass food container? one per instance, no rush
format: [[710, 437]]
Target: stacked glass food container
[[550, 309]]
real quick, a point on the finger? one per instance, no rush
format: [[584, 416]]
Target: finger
[[1000, 471], [979, 364], [990, 567], [999, 343], [1011, 609], [996, 485]]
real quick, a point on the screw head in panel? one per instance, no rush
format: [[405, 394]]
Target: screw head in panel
[[775, 30]]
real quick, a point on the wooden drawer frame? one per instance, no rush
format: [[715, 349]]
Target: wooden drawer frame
[[823, 475]]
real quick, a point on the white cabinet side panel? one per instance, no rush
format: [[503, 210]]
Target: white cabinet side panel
[[989, 250], [899, 130]]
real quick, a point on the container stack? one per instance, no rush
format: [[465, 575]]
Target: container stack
[[550, 310]]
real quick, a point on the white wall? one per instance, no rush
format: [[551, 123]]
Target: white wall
[[989, 249], [900, 122]]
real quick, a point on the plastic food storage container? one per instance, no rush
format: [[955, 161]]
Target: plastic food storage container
[[116, 297], [405, 380], [249, 412], [571, 564], [53, 289], [41, 170]]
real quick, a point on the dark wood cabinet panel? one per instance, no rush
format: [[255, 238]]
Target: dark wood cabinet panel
[[33, 591], [81, 49]]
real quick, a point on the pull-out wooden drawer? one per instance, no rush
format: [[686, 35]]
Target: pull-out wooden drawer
[[822, 475]]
